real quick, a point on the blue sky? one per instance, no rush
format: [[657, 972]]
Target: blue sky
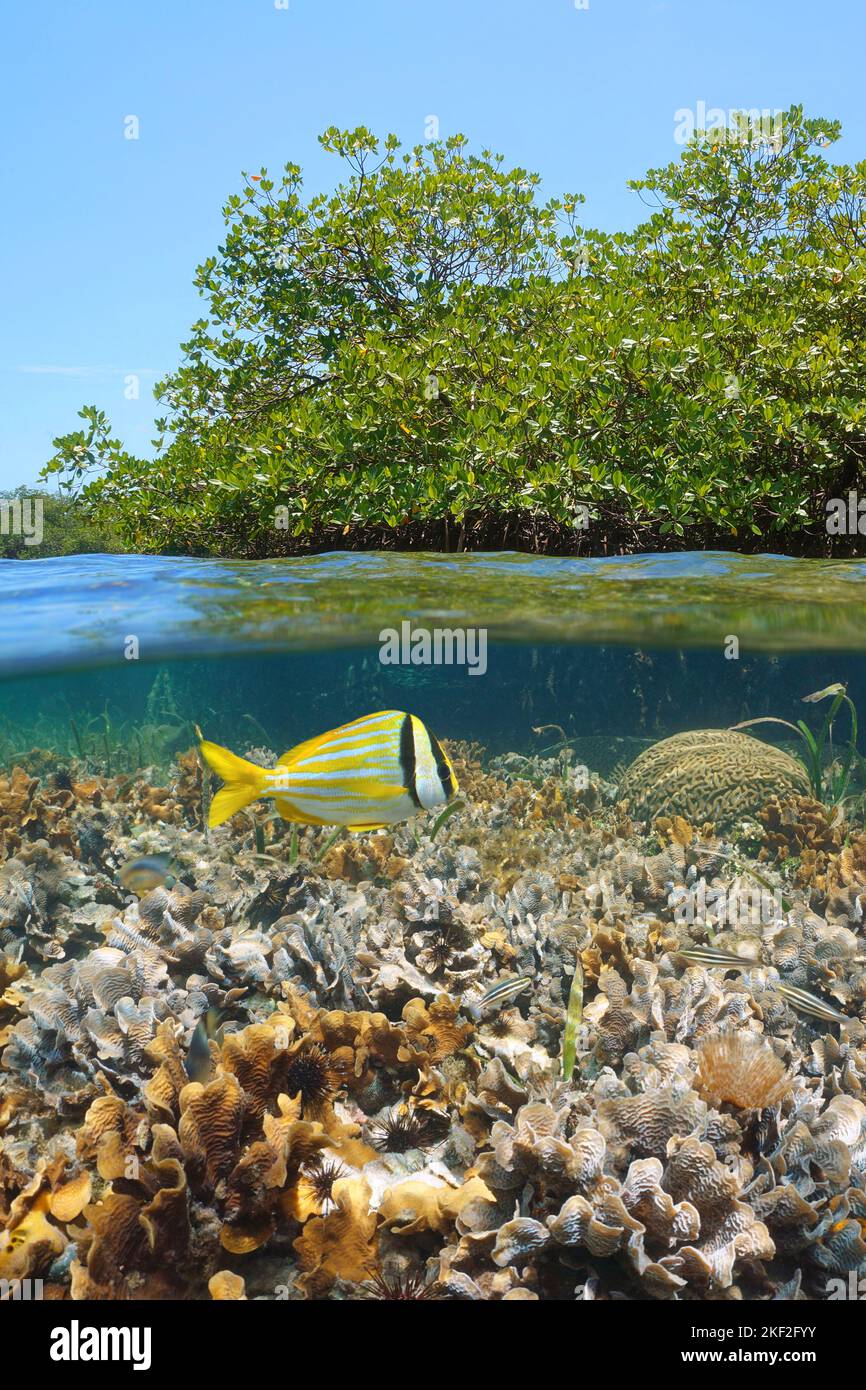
[[101, 234]]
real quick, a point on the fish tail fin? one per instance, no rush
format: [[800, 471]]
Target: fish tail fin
[[244, 782]]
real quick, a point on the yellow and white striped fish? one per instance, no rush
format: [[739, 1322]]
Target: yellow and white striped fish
[[374, 772]]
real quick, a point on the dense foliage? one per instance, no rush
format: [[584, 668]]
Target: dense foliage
[[64, 527], [431, 356]]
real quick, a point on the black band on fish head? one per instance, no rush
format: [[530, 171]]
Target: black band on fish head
[[443, 767], [407, 757]]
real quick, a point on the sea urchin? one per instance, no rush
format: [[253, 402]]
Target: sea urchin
[[402, 1130], [309, 1075]]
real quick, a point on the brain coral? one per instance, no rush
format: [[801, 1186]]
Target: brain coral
[[716, 775]]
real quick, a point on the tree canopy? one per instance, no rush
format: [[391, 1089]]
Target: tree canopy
[[433, 356]]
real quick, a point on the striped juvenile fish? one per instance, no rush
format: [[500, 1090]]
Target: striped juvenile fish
[[799, 999], [498, 993], [708, 955], [373, 772], [807, 1003]]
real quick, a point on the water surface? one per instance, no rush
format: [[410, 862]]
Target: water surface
[[77, 611]]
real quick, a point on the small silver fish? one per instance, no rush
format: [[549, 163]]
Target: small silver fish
[[799, 999], [141, 875], [498, 993]]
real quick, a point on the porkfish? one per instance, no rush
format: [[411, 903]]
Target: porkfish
[[374, 772]]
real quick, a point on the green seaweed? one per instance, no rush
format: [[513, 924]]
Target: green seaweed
[[332, 839], [106, 741], [573, 1016], [445, 816], [829, 783], [75, 731]]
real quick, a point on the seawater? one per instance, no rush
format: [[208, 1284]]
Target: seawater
[[116, 658], [319, 950]]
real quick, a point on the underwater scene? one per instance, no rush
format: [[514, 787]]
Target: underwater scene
[[432, 927]]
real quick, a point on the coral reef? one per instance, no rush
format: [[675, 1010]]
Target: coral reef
[[716, 775], [276, 1076]]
